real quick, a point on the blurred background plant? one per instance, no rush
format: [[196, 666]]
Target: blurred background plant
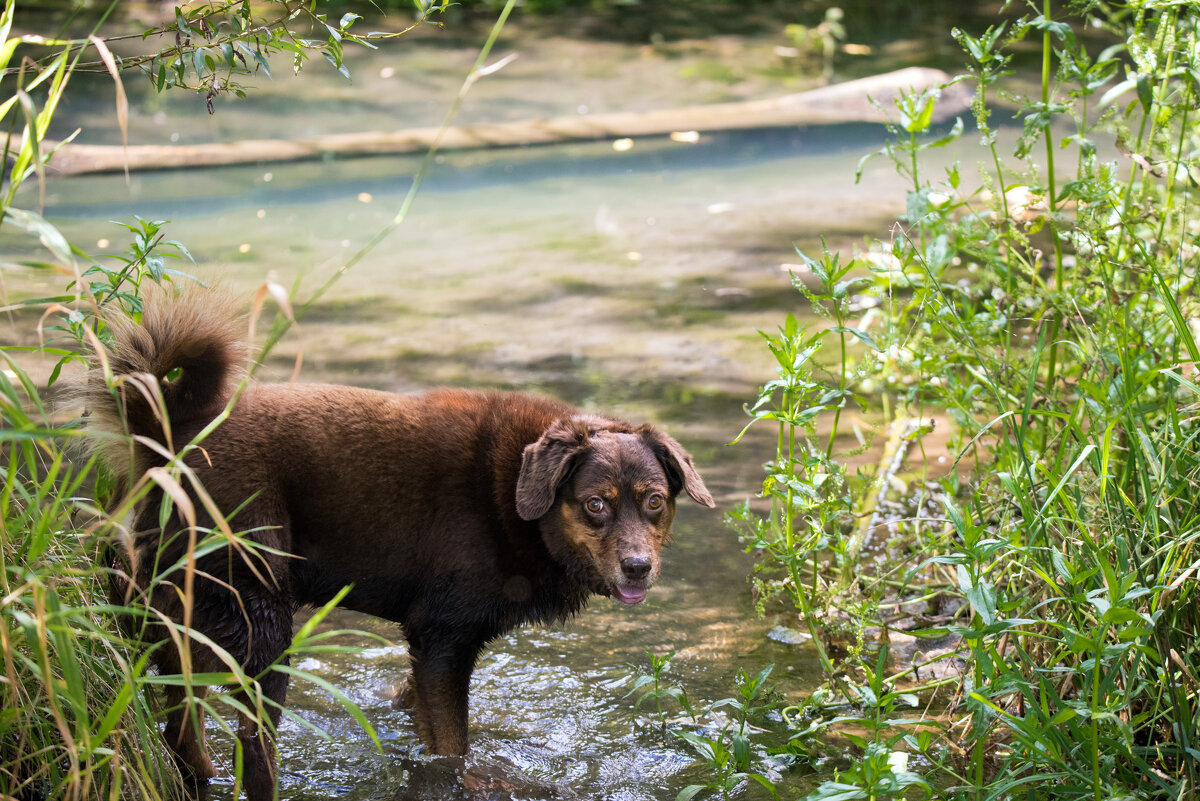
[[818, 42]]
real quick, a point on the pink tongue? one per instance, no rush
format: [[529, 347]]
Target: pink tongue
[[628, 595]]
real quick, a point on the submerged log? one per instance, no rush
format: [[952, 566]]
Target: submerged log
[[844, 102]]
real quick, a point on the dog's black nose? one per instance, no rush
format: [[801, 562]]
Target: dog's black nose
[[635, 567]]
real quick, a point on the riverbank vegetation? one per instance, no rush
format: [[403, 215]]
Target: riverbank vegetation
[[1044, 308]]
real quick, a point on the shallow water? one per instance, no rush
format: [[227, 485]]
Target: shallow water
[[630, 282], [515, 270]]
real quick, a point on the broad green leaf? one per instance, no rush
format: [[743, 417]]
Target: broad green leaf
[[836, 791], [982, 597]]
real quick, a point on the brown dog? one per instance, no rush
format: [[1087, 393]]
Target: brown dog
[[457, 514]]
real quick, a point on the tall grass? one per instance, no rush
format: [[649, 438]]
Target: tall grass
[[1047, 310], [80, 703], [74, 721]]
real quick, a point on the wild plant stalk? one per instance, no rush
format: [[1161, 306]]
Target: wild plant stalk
[[652, 687], [1075, 547], [1051, 190], [839, 318], [804, 484]]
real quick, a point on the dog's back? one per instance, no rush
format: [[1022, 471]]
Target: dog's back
[[363, 487], [383, 491]]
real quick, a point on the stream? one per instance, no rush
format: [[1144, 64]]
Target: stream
[[631, 282]]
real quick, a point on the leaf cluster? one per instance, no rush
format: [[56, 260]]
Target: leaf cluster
[[1046, 312], [729, 752]]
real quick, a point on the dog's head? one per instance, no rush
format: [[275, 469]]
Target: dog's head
[[603, 494]]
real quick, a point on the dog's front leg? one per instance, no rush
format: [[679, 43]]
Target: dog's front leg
[[441, 675], [406, 694]]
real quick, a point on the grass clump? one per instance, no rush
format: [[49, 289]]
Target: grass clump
[[74, 722], [80, 703]]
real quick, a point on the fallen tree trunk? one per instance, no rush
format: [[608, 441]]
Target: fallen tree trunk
[[843, 102]]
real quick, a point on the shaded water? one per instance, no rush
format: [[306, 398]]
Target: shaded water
[[629, 282]]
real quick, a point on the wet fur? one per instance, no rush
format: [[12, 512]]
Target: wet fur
[[459, 515]]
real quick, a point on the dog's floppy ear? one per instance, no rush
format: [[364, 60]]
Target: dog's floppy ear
[[546, 464], [681, 473]]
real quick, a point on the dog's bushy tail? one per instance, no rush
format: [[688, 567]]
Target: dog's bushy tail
[[180, 363]]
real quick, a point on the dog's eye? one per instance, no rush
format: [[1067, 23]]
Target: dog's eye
[[594, 505], [654, 502]]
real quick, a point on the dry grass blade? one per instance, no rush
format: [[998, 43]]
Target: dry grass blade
[[260, 296], [34, 140], [172, 487], [495, 67], [49, 679], [148, 386], [184, 504], [280, 294], [122, 101]]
